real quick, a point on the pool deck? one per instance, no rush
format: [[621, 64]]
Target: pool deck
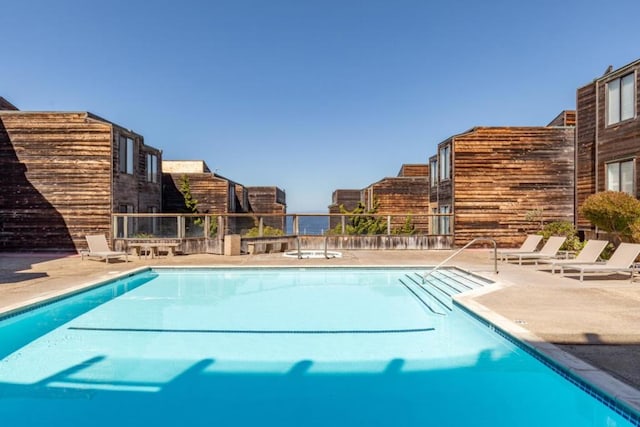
[[592, 328]]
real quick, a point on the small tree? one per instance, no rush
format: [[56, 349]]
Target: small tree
[[407, 228], [613, 212], [191, 206], [536, 215], [363, 221], [563, 228], [190, 203]]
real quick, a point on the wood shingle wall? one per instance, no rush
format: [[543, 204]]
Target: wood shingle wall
[[501, 173], [56, 175], [414, 170], [212, 193], [60, 182], [268, 200], [585, 149], [400, 197]]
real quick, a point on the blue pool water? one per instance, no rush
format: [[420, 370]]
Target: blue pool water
[[286, 347]]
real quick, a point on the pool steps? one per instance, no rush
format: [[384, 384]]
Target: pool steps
[[437, 292]]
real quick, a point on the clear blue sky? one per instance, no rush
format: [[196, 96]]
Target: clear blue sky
[[313, 95]]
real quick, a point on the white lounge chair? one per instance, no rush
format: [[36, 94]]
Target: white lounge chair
[[622, 260], [549, 250], [99, 248], [529, 245], [588, 255]]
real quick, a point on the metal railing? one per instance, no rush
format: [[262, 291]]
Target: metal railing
[[477, 239], [179, 226]]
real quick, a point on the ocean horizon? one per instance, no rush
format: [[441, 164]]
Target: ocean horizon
[[310, 225]]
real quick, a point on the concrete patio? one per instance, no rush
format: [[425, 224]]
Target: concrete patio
[[596, 321]]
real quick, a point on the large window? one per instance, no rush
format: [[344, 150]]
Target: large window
[[620, 176], [125, 154], [433, 172], [445, 162], [435, 229], [621, 99], [445, 220], [152, 168]]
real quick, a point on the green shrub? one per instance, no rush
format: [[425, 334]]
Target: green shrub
[[563, 228], [143, 236], [614, 212], [266, 231], [362, 222], [408, 227]]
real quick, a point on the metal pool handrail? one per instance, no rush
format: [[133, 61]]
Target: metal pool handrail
[[477, 239], [326, 240], [326, 253]]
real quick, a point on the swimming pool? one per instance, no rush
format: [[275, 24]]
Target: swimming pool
[[274, 347]]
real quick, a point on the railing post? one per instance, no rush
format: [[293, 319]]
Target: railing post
[[260, 226], [115, 227], [343, 223], [388, 225], [180, 226], [296, 225]]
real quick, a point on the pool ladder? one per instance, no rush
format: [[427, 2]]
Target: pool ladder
[[476, 240], [326, 244]]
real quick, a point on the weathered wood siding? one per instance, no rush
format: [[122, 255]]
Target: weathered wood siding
[[212, 193], [268, 200], [348, 198], [55, 170], [620, 141], [565, 118], [401, 197], [501, 173], [599, 143], [135, 189], [585, 149], [414, 170]]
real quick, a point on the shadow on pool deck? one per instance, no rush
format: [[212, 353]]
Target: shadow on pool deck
[[596, 320]]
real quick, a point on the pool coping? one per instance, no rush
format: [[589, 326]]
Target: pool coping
[[54, 296], [612, 392]]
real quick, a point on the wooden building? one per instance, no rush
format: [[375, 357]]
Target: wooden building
[[402, 196], [343, 198], [490, 179], [65, 173], [608, 136], [214, 193], [269, 200]]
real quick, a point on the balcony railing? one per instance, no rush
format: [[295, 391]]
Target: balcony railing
[[184, 226]]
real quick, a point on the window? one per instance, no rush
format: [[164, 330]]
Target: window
[[621, 99], [434, 221], [445, 162], [620, 176], [445, 220], [125, 154], [433, 172], [152, 168]]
